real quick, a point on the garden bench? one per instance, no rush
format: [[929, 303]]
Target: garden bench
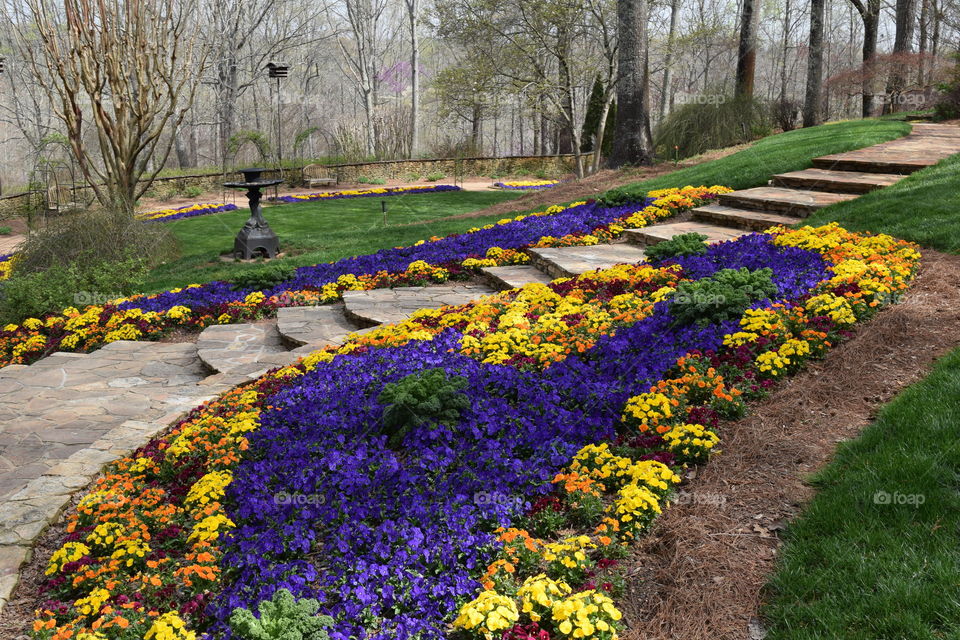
[[317, 175]]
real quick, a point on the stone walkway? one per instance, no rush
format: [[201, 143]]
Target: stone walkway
[[64, 417]]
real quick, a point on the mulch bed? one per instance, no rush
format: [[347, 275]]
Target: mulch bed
[[700, 573]]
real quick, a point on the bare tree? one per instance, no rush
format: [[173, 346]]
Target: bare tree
[[413, 15], [632, 143], [812, 100], [125, 65], [747, 54], [906, 18], [869, 11]]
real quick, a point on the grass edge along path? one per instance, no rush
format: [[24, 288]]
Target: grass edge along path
[[874, 554]]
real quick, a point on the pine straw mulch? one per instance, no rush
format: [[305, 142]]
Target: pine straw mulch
[[700, 573]]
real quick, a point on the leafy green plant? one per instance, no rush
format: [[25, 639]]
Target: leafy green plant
[[281, 618], [723, 296], [366, 180], [434, 176], [426, 397], [263, 277], [192, 191], [34, 294], [619, 197], [5, 231], [711, 121], [687, 244]]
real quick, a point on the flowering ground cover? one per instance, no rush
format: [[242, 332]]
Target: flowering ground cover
[[189, 211], [527, 185], [5, 265], [476, 471], [455, 256], [366, 193]]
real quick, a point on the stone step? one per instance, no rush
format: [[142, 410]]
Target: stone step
[[225, 348], [903, 163], [567, 262], [314, 326], [740, 218], [792, 202], [660, 232], [835, 181], [514, 276], [390, 306], [58, 359]]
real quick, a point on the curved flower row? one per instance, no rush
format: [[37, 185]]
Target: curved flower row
[[527, 184], [436, 260], [189, 211], [5, 264], [289, 483], [363, 193]]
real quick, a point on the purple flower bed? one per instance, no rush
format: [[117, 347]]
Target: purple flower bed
[[364, 193], [525, 187], [389, 540], [192, 211], [450, 249]]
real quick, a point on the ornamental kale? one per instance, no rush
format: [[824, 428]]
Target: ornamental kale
[[281, 618], [723, 296], [687, 244], [426, 397]]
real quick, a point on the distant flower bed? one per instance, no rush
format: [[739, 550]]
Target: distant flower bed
[[477, 471], [365, 193], [527, 184], [437, 260], [190, 211]]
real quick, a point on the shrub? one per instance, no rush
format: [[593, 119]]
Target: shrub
[[696, 127], [281, 618], [425, 397], [192, 191], [35, 294], [436, 175], [723, 296], [5, 231], [785, 113], [687, 244], [948, 106], [263, 277], [619, 197]]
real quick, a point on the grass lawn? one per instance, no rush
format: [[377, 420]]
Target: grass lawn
[[790, 151], [320, 231], [326, 231], [858, 565], [923, 208]]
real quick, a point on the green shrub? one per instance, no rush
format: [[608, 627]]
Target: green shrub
[[426, 397], [687, 244], [696, 127], [5, 231], [363, 180], [263, 277], [192, 191], [27, 295], [723, 296], [436, 175], [281, 618], [948, 105], [412, 176], [619, 197]]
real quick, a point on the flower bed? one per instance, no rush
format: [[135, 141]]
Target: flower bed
[[189, 211], [571, 407], [527, 185], [6, 261], [436, 260], [366, 193]]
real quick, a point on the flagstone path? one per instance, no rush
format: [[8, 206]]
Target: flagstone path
[[63, 418]]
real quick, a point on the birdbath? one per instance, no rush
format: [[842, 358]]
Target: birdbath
[[256, 237]]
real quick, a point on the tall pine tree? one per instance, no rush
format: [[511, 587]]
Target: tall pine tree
[[591, 121]]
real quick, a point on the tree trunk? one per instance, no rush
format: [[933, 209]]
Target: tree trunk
[[902, 43], [871, 26], [924, 39], [785, 45], [668, 61], [811, 102], [414, 8], [601, 132], [633, 143], [747, 54]]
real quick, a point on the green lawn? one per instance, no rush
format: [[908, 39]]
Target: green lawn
[[789, 151], [923, 208], [320, 231], [859, 566]]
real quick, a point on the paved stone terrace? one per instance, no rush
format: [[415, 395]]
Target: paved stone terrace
[[63, 418]]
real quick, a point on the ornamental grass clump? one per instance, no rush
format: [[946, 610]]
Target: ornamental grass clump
[[426, 397], [722, 297]]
